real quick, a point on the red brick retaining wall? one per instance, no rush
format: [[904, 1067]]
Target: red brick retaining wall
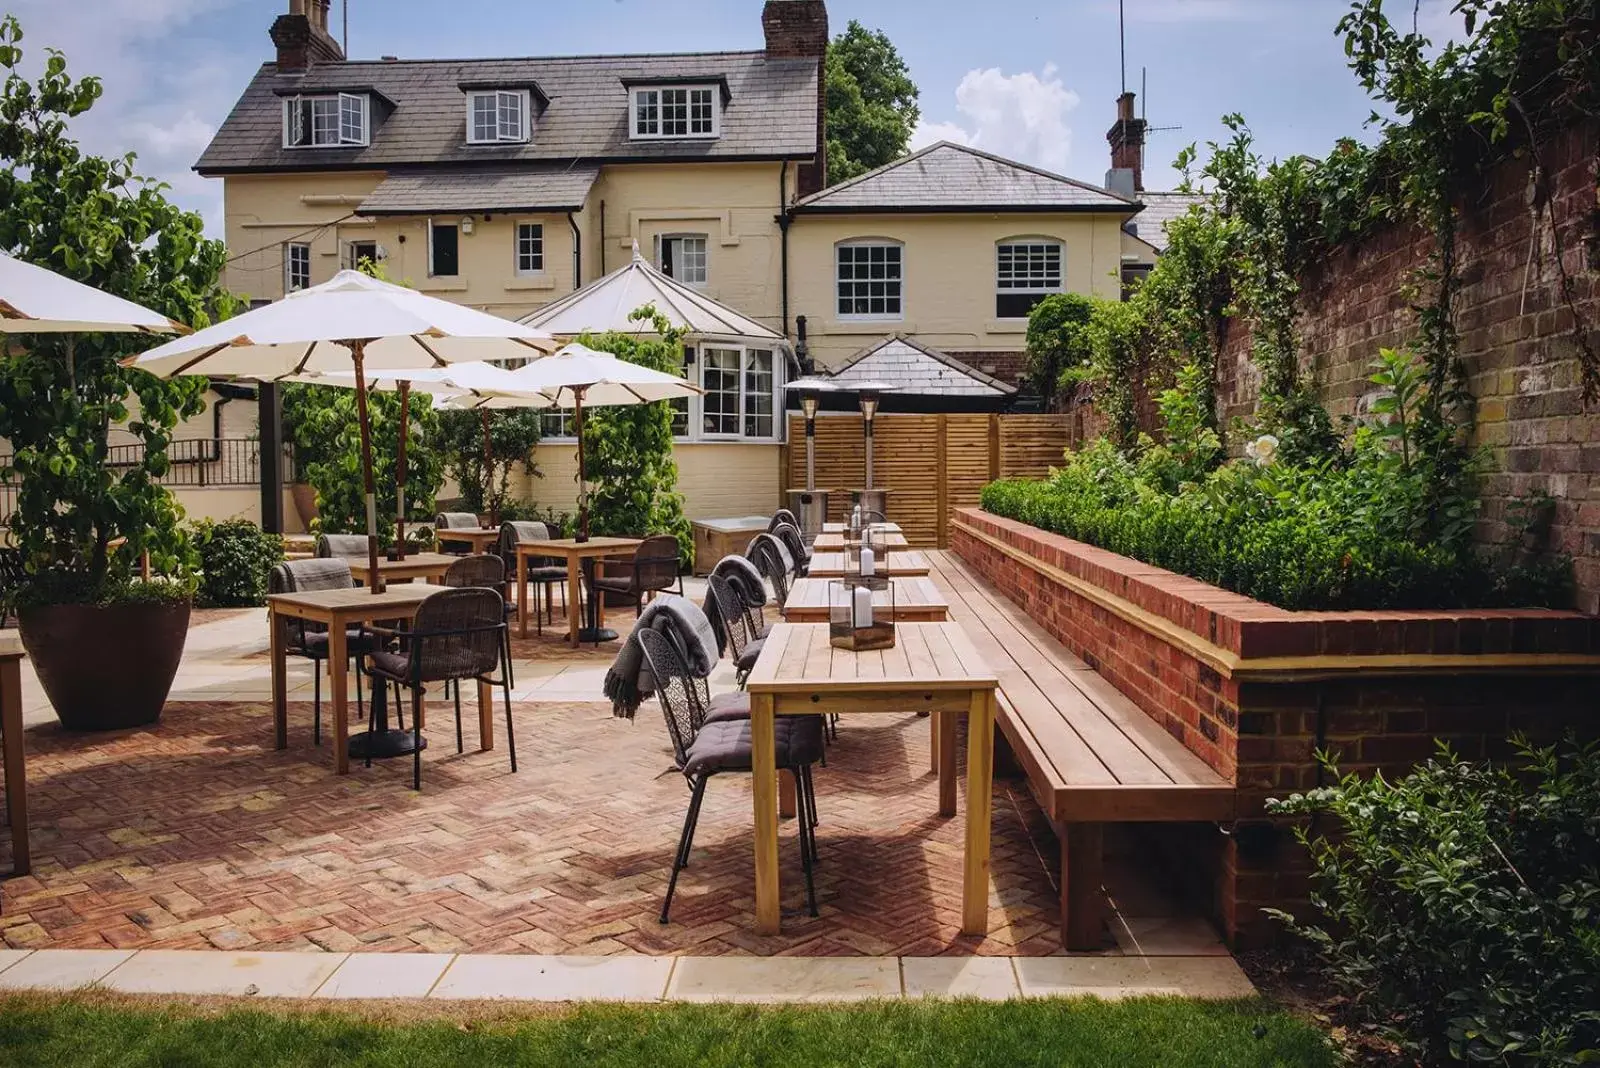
[[1254, 690]]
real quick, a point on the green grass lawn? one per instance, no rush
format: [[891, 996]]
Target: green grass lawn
[[87, 1031]]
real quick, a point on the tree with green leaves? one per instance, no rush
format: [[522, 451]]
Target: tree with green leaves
[[872, 102], [95, 220], [484, 475], [627, 449]]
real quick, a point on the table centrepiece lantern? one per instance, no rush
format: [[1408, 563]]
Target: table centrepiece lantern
[[860, 616], [866, 556]]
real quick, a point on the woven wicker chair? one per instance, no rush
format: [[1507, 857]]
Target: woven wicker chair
[[708, 746], [310, 640], [544, 573], [653, 570], [483, 570], [341, 546], [456, 634]]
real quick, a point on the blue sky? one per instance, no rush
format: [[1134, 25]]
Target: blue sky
[[1029, 79]]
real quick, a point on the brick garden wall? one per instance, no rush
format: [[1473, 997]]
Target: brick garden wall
[[1516, 339], [1254, 690]]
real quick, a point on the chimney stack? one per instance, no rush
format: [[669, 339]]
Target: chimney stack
[[302, 36], [1126, 138], [798, 29]]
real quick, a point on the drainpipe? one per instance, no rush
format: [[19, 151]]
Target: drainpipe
[[783, 228], [602, 239], [577, 253]]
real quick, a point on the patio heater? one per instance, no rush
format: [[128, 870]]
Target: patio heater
[[810, 505], [870, 397]]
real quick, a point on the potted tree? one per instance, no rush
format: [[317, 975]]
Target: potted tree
[[105, 640]]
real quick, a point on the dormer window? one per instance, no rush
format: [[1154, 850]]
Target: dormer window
[[497, 116], [665, 112], [333, 120]]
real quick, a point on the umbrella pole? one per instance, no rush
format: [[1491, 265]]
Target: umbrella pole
[[400, 472], [583, 490], [374, 579], [488, 473]]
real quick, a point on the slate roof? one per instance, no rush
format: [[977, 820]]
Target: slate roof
[[917, 369], [770, 111], [951, 177], [1159, 210], [537, 188]]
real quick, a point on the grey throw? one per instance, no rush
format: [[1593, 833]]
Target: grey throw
[[744, 578], [341, 545], [628, 680]]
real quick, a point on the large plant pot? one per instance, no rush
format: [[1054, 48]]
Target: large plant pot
[[105, 667], [305, 502]]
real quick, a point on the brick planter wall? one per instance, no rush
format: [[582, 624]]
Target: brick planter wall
[[1254, 690]]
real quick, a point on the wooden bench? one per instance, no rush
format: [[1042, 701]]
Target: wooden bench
[[1090, 754]]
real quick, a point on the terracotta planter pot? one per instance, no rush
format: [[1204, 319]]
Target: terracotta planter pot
[[305, 502], [105, 667]]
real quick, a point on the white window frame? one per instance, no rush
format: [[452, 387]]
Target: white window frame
[[509, 128], [1031, 287], [705, 257], [838, 282], [456, 226], [354, 258], [516, 249], [656, 95], [291, 251], [354, 107]]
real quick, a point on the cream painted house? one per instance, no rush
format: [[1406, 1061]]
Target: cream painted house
[[506, 184]]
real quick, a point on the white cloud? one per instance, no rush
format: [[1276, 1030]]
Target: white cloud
[[1021, 116]]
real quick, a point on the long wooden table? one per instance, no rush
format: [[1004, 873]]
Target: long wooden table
[[428, 566], [482, 539], [932, 667], [340, 609], [904, 564], [830, 542], [11, 655], [575, 553], [841, 528], [916, 600]]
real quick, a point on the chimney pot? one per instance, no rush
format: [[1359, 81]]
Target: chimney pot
[[795, 28], [1126, 138], [302, 37]]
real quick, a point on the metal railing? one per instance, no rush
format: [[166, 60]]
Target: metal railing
[[195, 462]]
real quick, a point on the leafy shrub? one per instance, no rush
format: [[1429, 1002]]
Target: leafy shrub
[[1461, 905], [1363, 528], [235, 559]]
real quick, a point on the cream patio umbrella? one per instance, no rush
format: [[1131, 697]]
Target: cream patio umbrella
[[466, 382], [578, 376], [36, 300], [351, 322]]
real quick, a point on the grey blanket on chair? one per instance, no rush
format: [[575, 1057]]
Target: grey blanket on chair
[[628, 681], [744, 578]]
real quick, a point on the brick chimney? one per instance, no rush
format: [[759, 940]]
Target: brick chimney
[[798, 29], [1126, 137], [302, 36]]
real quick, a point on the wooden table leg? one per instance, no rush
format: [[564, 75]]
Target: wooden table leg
[[944, 726], [1082, 848], [276, 627], [485, 716], [574, 600], [980, 807], [763, 745], [522, 595], [338, 668], [15, 763], [786, 793]]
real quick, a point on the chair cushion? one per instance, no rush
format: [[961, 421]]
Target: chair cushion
[[726, 706], [545, 574], [356, 639], [613, 585], [752, 651], [394, 665], [725, 745]]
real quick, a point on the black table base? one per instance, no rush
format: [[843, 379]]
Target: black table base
[[592, 631], [381, 742]]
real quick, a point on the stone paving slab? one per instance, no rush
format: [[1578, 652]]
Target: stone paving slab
[[630, 978]]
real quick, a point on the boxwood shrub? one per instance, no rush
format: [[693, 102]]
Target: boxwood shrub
[[235, 559]]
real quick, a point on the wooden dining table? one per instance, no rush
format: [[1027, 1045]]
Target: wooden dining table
[[905, 563], [915, 600], [11, 655], [832, 543], [578, 555], [841, 528], [931, 667], [427, 566], [339, 609], [481, 539]]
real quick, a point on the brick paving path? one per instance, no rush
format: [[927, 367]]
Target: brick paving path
[[198, 834]]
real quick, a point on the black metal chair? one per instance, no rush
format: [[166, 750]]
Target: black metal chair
[[704, 747], [544, 573], [744, 644], [456, 634], [795, 542], [766, 553], [780, 517], [310, 640], [652, 570]]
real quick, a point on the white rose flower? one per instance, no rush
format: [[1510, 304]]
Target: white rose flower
[[1262, 450]]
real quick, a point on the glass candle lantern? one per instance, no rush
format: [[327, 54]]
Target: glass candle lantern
[[860, 617]]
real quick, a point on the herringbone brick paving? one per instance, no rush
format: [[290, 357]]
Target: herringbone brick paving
[[197, 834]]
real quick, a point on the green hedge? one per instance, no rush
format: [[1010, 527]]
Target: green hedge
[[235, 559]]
